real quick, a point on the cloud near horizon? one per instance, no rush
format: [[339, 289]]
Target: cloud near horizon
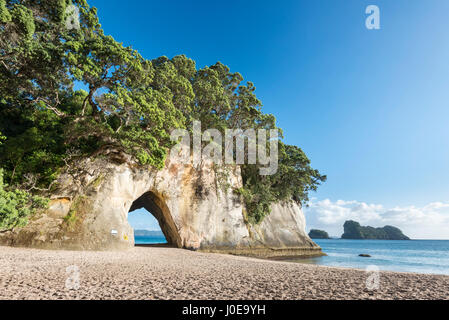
[[427, 222]]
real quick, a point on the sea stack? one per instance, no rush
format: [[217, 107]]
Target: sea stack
[[353, 230]]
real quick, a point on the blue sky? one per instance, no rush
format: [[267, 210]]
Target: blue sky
[[369, 107]]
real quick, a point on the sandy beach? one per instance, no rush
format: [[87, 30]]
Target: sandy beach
[[168, 273]]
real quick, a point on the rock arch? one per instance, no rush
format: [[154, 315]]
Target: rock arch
[[155, 205], [196, 207]]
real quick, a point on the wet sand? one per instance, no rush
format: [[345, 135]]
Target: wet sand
[[169, 273]]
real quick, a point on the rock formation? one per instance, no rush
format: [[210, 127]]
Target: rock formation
[[353, 230], [318, 234], [195, 207]]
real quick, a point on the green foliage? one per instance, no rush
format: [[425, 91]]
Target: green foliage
[[35, 144], [76, 214], [16, 206], [5, 16], [293, 180], [223, 101], [23, 19], [130, 104], [258, 200]]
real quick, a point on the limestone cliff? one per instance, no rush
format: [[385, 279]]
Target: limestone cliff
[[195, 207]]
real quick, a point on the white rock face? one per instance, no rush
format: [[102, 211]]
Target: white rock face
[[196, 209], [285, 227]]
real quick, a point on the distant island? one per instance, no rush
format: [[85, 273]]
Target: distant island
[[353, 230], [148, 233], [318, 234]]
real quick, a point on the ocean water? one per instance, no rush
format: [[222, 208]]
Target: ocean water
[[421, 256], [149, 240]]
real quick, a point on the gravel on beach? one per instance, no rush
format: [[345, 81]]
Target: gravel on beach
[[169, 273]]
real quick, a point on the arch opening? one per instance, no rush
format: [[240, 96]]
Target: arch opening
[[157, 207]]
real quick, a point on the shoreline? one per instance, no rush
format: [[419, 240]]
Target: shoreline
[[169, 273], [363, 270]]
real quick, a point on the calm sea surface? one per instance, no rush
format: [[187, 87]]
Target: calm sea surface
[[422, 256], [149, 240]]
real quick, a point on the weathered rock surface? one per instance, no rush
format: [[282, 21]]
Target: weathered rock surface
[[195, 207]]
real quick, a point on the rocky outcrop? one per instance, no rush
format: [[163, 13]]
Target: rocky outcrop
[[195, 207], [318, 234], [353, 230]]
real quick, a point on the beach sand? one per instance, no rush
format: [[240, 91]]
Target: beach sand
[[168, 273]]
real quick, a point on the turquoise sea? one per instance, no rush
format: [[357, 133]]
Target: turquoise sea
[[421, 256], [149, 240]]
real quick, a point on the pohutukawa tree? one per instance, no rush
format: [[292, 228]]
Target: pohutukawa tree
[[75, 88]]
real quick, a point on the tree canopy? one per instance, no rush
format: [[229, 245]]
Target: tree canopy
[[75, 88]]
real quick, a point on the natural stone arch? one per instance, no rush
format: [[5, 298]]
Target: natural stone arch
[[196, 206], [155, 205]]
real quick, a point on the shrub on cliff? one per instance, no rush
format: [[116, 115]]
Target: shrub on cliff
[[16, 206]]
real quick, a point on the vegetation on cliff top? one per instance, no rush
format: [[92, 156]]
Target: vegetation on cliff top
[[353, 230], [129, 103]]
